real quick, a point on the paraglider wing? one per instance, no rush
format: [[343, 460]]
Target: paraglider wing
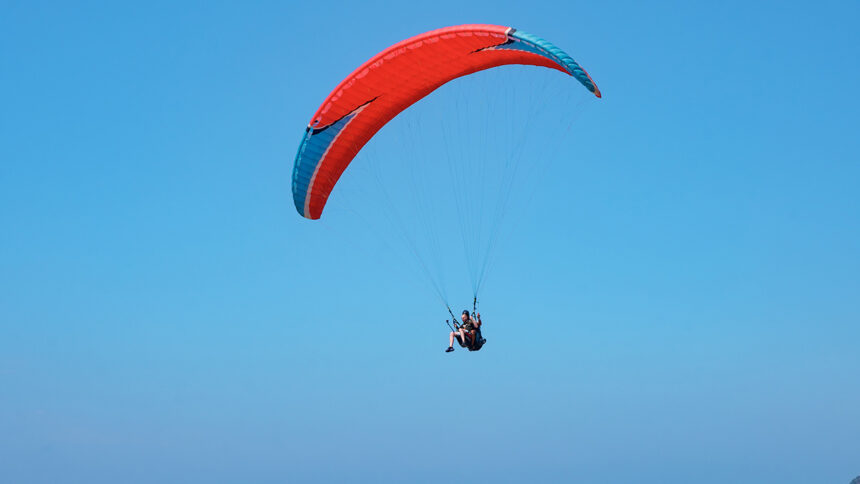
[[395, 79]]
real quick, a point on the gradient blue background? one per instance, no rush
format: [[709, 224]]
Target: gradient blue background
[[158, 292]]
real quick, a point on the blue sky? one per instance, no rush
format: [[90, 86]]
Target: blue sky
[[684, 309]]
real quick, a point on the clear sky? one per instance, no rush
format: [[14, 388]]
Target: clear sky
[[683, 309]]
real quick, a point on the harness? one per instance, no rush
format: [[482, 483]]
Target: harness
[[473, 342]]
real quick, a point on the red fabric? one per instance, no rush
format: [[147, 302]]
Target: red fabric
[[395, 79]]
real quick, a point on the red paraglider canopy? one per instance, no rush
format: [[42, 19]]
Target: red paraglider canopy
[[393, 80]]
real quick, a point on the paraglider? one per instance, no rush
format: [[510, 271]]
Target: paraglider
[[468, 334], [389, 83]]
